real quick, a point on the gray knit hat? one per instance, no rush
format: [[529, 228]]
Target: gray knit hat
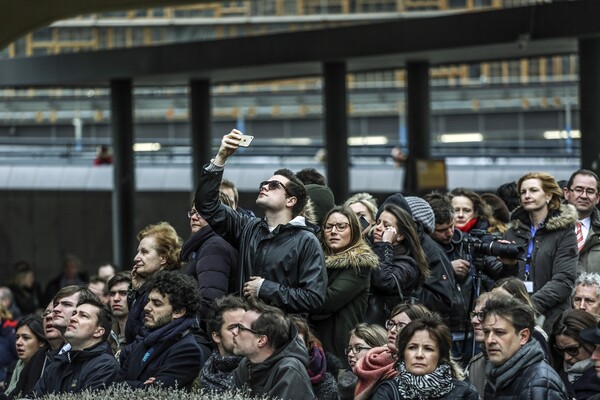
[[421, 212]]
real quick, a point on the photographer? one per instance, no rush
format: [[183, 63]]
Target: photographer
[[467, 254]]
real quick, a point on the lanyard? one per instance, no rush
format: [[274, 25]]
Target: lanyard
[[532, 231]]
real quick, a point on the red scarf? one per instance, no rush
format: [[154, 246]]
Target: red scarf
[[376, 366], [466, 228]]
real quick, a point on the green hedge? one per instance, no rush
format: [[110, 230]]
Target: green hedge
[[151, 393]]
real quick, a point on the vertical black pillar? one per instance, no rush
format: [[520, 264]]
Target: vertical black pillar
[[124, 173], [419, 146], [200, 126], [589, 102], [336, 130]]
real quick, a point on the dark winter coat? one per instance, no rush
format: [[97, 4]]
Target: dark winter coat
[[387, 390], [281, 376], [439, 293], [584, 387], [526, 375], [8, 351], [174, 362], [289, 258], [589, 256], [213, 263], [77, 370], [553, 265], [136, 301], [349, 274]]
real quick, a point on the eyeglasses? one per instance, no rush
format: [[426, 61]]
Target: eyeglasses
[[340, 226], [273, 185], [191, 213], [355, 349], [573, 350], [242, 328], [479, 315], [389, 325], [579, 191]]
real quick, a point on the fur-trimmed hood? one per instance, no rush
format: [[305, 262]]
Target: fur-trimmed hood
[[565, 217], [359, 256]]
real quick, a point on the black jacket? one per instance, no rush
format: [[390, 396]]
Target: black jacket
[[526, 375], [281, 376], [173, 361], [77, 370], [387, 390], [587, 385], [439, 293], [289, 258], [213, 263], [136, 301]]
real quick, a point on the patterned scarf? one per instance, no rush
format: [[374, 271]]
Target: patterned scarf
[[217, 373], [423, 387], [317, 365]]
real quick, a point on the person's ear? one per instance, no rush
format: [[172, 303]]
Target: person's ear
[[216, 337], [179, 313], [291, 201], [99, 332], [524, 335]]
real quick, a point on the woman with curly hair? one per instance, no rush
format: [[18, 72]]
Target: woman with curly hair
[[349, 261]]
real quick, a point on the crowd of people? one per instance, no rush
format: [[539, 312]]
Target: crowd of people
[[448, 296]]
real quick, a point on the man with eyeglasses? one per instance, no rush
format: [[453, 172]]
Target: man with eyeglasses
[[167, 353], [582, 192], [518, 369], [275, 358], [281, 260]]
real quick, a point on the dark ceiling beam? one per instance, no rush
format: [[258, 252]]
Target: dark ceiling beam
[[21, 17], [540, 30]]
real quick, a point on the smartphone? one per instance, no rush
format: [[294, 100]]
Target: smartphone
[[246, 140], [363, 222]]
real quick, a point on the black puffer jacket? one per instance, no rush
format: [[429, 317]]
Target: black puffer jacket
[[553, 265], [526, 375], [289, 258], [213, 263], [75, 371]]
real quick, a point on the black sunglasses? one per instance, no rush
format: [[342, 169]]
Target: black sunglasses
[[273, 185], [573, 350]]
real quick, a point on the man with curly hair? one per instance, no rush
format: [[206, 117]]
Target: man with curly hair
[[167, 352]]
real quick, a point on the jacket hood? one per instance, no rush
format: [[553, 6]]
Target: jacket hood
[[565, 217], [359, 256], [310, 214], [295, 348]]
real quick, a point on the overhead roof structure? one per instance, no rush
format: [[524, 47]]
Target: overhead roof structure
[[531, 31]]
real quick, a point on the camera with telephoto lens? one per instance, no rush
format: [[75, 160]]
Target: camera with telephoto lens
[[481, 243]]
